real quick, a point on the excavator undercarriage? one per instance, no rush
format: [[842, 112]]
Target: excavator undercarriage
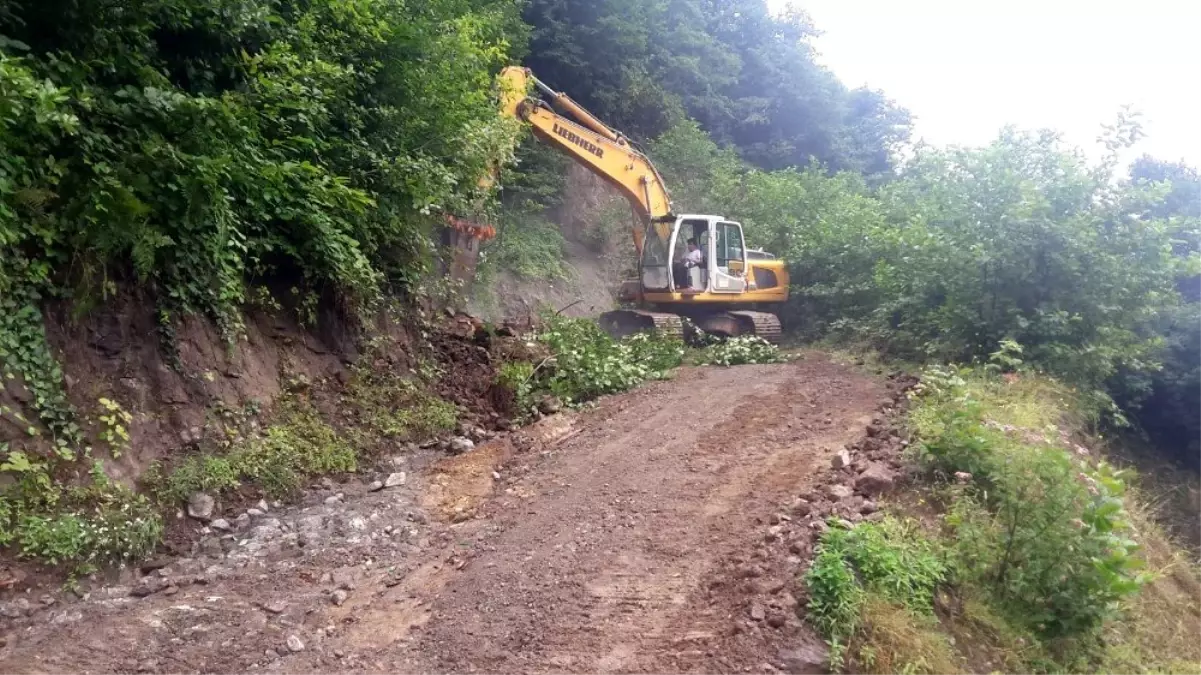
[[726, 324]]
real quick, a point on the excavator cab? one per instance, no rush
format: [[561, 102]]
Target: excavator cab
[[723, 257]]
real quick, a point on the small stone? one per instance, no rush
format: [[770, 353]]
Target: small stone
[[801, 507], [495, 475], [271, 654], [757, 612], [838, 491], [773, 532], [221, 525], [776, 620], [201, 505], [295, 644], [272, 607], [254, 513], [868, 507], [211, 546], [338, 597], [459, 444], [333, 499], [242, 520], [171, 590], [841, 459], [396, 479], [375, 486], [11, 611], [550, 405], [262, 506]]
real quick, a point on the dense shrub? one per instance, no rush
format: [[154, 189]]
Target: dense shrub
[[198, 143], [1036, 520], [588, 363]]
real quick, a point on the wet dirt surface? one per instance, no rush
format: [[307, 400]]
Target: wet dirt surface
[[648, 534]]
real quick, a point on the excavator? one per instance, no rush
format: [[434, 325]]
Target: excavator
[[730, 293]]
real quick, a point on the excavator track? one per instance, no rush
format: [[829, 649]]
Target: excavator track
[[761, 324], [622, 322]]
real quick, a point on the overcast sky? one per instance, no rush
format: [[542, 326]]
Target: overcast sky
[[967, 68]]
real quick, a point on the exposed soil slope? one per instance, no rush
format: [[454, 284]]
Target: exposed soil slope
[[638, 536]]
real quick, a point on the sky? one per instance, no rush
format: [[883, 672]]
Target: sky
[[965, 69]]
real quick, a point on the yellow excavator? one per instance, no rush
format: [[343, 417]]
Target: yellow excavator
[[730, 291]]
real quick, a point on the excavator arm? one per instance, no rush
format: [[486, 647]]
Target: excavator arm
[[591, 143]]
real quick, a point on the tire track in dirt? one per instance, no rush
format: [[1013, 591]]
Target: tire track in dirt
[[616, 539], [608, 561]]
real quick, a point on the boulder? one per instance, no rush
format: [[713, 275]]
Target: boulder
[[810, 658], [201, 506], [876, 479]]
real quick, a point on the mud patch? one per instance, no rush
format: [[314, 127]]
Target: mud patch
[[457, 485]]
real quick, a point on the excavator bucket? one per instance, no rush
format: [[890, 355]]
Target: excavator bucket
[[463, 238]]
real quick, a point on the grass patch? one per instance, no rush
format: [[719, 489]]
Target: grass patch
[[895, 639], [81, 526], [859, 573], [298, 444], [385, 404]]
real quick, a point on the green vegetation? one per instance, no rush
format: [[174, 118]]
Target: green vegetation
[[298, 444], [196, 145], [531, 248], [588, 363], [1042, 561], [518, 378], [81, 526], [196, 148], [740, 350], [1045, 529], [385, 403], [872, 566]]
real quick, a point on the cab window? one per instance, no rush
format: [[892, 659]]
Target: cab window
[[729, 244]]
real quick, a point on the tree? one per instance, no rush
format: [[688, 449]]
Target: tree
[[212, 142], [749, 78]]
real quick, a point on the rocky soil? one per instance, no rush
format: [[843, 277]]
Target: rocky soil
[[662, 530]]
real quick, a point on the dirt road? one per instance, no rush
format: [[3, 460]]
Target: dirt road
[[643, 535]]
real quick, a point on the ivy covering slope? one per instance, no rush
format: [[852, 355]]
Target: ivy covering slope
[[195, 145]]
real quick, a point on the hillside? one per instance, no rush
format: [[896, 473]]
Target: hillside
[[248, 420]]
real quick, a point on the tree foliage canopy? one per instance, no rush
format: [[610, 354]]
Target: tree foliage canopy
[[200, 143], [748, 78]]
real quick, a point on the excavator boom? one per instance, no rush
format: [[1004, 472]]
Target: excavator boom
[[592, 144]]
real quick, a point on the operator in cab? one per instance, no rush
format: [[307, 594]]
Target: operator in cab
[[693, 258]]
